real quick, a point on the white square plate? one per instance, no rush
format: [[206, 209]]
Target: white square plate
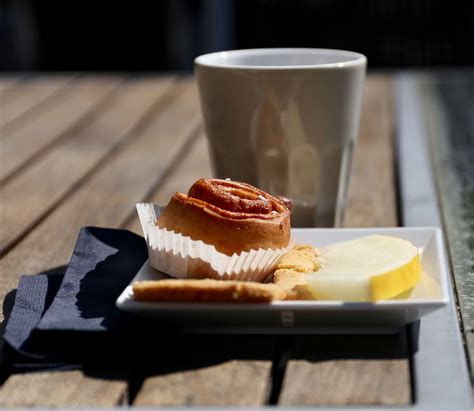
[[315, 317]]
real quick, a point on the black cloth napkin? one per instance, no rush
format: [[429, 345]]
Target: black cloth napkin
[[62, 321]]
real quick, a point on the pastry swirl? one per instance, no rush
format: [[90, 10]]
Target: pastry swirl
[[230, 215]]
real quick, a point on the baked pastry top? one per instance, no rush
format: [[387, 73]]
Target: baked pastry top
[[230, 215]]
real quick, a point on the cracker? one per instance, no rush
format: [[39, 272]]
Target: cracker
[[292, 269], [206, 291], [293, 283], [302, 258]]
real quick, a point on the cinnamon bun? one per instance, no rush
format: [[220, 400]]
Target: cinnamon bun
[[230, 215]]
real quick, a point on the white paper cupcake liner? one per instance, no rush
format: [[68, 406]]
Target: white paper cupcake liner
[[181, 257]]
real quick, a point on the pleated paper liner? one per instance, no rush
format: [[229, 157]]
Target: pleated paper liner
[[181, 257]]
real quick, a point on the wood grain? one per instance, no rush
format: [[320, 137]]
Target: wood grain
[[311, 378], [194, 164], [354, 382], [46, 182], [159, 160], [66, 388], [19, 145], [107, 199], [347, 370], [109, 196], [209, 371], [371, 200], [17, 102], [233, 381]]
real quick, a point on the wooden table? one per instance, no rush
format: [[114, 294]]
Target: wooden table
[[82, 150]]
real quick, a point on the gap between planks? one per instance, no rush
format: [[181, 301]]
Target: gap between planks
[[168, 389], [20, 102], [71, 233], [206, 371], [196, 138], [350, 378], [74, 159], [23, 146], [106, 200], [317, 373]]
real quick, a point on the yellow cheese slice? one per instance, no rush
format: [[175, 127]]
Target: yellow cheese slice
[[369, 268]]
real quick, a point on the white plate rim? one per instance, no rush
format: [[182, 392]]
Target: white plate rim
[[126, 303]]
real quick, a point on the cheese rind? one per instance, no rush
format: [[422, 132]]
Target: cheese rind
[[369, 268]]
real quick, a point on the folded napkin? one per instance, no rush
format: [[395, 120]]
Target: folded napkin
[[63, 321]]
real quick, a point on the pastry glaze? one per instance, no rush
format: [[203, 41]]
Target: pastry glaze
[[232, 216]]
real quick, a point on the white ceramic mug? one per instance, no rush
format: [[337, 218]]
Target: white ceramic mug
[[285, 120]]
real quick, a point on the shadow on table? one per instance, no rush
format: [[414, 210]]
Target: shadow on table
[[162, 353], [148, 348], [7, 309], [320, 348]]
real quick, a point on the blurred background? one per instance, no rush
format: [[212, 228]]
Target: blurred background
[[167, 34]]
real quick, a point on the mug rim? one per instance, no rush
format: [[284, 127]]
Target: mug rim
[[217, 59]]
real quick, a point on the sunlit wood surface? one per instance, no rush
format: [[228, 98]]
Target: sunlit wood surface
[[82, 150]]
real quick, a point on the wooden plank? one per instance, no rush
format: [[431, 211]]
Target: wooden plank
[[210, 371], [321, 372], [371, 200], [347, 370], [18, 146], [18, 101], [107, 199], [344, 383], [193, 165], [109, 196], [229, 383], [225, 380], [70, 160], [6, 82], [68, 388]]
